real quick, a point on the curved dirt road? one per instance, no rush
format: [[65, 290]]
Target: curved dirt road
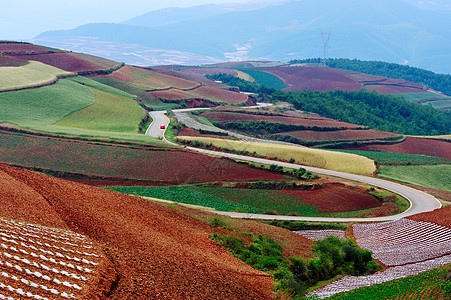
[[420, 201]]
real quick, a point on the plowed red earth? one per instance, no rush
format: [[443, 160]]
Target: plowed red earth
[[413, 145], [332, 198], [156, 164], [73, 62], [340, 135], [20, 48], [224, 117], [9, 61], [440, 216], [192, 76], [192, 132], [203, 92], [158, 252]]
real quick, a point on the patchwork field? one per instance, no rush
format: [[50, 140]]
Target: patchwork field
[[344, 162], [151, 257], [33, 74], [266, 78], [110, 161]]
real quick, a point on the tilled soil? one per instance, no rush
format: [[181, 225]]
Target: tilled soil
[[158, 252], [440, 216]]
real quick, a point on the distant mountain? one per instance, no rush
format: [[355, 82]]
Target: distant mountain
[[400, 31]]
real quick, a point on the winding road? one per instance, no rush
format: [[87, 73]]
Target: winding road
[[420, 201]]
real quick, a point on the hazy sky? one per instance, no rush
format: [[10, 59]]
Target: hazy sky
[[24, 19]]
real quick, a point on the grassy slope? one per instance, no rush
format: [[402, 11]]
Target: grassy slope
[[30, 75], [337, 161], [433, 176]]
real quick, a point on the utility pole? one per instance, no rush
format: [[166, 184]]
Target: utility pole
[[326, 38]]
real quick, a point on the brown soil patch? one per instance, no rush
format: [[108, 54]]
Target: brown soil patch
[[159, 253], [413, 145], [340, 135], [192, 132], [440, 216], [335, 197]]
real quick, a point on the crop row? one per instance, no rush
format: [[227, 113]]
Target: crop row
[[321, 234], [404, 241]]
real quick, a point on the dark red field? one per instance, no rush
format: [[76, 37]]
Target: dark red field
[[229, 116], [440, 216], [23, 48], [10, 61], [413, 145], [73, 62], [340, 135], [109, 161], [157, 252]]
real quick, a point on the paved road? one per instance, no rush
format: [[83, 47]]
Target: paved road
[[159, 119], [420, 201]]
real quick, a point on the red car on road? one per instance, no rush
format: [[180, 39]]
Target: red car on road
[[162, 126]]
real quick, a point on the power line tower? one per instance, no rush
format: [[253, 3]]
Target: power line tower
[[326, 38]]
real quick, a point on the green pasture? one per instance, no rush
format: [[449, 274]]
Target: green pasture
[[265, 78], [412, 97], [397, 158], [432, 176], [419, 284]]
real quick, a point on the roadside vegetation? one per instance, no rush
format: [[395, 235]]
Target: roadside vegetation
[[295, 275]]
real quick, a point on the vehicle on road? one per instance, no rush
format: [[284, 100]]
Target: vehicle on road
[[162, 126]]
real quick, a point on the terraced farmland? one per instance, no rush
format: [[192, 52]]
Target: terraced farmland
[[43, 263], [407, 247]]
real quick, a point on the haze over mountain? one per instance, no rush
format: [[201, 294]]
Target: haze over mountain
[[401, 31]]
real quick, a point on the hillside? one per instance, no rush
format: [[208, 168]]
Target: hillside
[[393, 31], [152, 247]]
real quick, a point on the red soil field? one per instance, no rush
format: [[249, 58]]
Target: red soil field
[[203, 92], [192, 75], [192, 132], [389, 89], [413, 145], [155, 164], [157, 252], [341, 135], [334, 197], [307, 78], [10, 61], [141, 78], [440, 216], [73, 62], [224, 117], [22, 48]]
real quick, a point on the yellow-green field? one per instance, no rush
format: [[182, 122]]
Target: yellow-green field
[[344, 162], [438, 137], [31, 75], [109, 112]]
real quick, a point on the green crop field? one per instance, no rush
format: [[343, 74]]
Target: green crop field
[[45, 105], [30, 75], [398, 158], [433, 176], [109, 112], [188, 196], [416, 286], [445, 101], [265, 78]]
